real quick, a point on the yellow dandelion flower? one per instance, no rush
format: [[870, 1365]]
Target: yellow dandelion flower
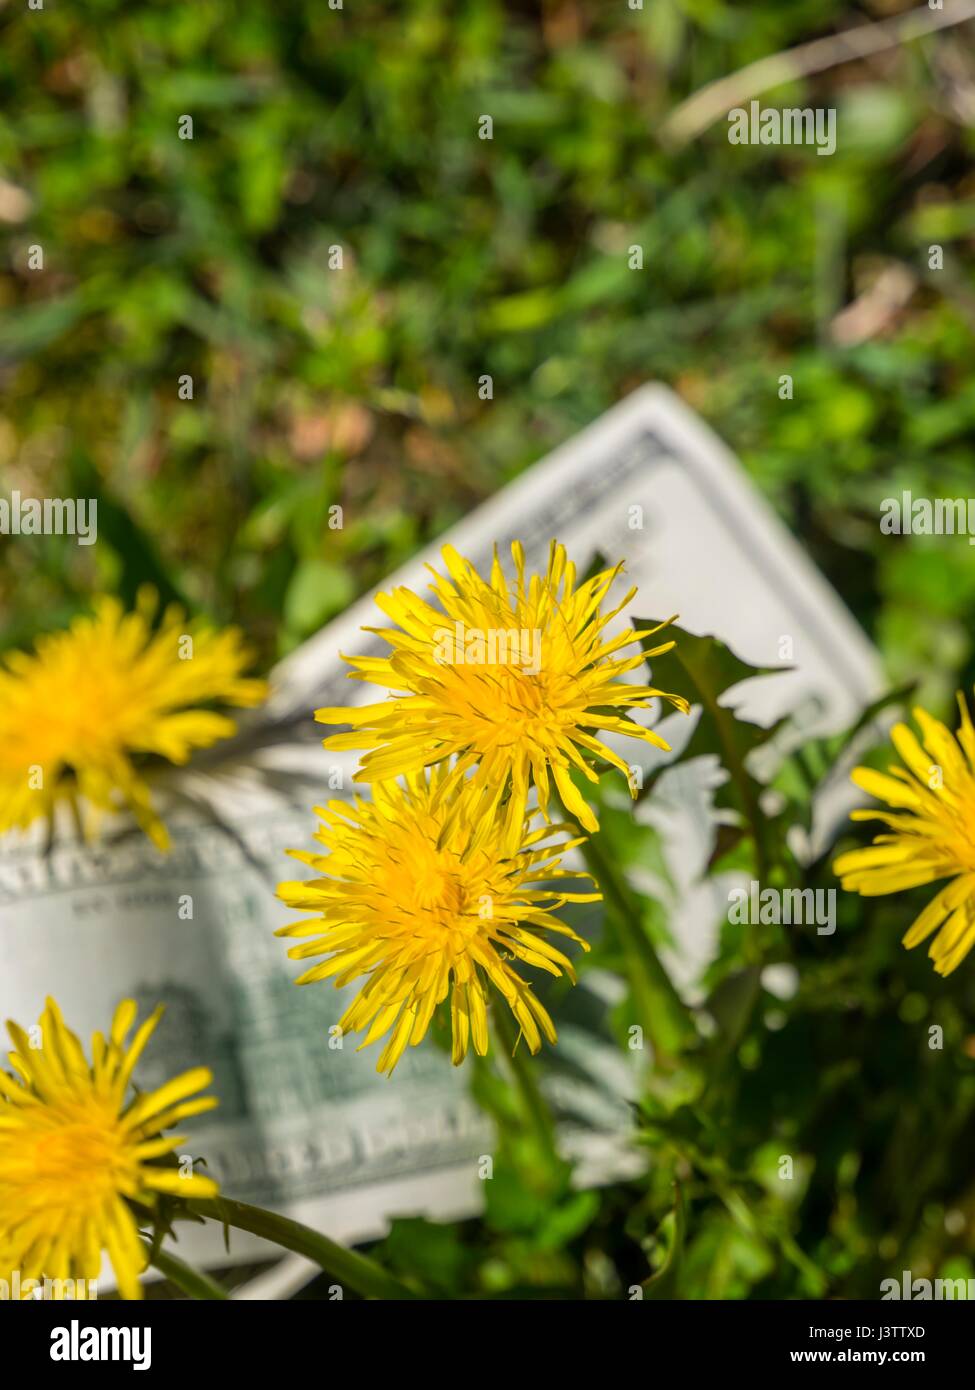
[[78, 711], [932, 827], [518, 680], [74, 1153], [420, 893]]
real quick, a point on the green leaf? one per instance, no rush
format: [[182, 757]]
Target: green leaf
[[431, 1251], [899, 695], [808, 767], [663, 1015], [730, 1004], [318, 589], [663, 1284], [140, 560], [703, 669], [567, 1220]]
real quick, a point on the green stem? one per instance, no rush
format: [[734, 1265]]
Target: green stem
[[535, 1109], [664, 1016], [349, 1268], [193, 1282]]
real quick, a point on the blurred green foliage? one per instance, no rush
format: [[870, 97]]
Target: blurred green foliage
[[357, 128]]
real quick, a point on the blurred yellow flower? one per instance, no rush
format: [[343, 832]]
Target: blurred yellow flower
[[421, 894], [932, 825], [74, 1153], [77, 711], [515, 680]]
